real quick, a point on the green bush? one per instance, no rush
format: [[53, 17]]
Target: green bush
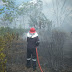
[[3, 59], [5, 44]]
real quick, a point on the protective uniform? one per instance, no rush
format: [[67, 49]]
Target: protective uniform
[[32, 43]]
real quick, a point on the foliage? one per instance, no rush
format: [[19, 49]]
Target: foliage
[[8, 17], [2, 10], [5, 30], [5, 43], [9, 4], [3, 60], [8, 9], [7, 35]]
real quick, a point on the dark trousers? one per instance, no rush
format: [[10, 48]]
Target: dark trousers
[[31, 53]]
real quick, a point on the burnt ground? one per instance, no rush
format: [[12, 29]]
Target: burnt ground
[[16, 58]]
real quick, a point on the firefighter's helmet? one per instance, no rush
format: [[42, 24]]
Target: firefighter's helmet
[[32, 30]]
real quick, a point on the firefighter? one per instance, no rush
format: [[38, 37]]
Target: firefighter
[[32, 44]]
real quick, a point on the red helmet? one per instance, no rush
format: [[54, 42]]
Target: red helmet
[[32, 30]]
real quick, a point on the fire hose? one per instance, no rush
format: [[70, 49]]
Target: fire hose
[[38, 60]]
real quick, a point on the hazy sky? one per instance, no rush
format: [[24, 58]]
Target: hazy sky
[[50, 10], [20, 1]]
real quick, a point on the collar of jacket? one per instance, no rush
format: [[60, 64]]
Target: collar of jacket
[[32, 35]]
